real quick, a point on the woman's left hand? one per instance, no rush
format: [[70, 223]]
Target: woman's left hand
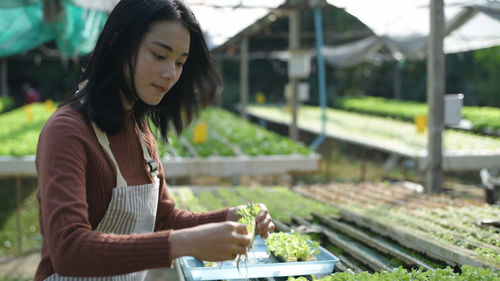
[[263, 220]]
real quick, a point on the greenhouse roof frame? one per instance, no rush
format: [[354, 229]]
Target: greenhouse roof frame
[[471, 24]]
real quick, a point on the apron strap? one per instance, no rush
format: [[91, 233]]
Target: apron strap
[[151, 164], [104, 141]]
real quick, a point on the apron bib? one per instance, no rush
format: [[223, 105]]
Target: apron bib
[[132, 209]]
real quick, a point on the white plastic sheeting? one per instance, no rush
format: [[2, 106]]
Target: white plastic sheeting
[[403, 25], [352, 54], [222, 19], [219, 19], [100, 5], [343, 56]]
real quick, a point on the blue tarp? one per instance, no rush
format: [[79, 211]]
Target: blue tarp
[[23, 28]]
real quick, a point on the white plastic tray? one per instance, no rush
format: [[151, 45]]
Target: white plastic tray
[[260, 264]]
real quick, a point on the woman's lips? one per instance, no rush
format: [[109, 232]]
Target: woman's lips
[[159, 88]]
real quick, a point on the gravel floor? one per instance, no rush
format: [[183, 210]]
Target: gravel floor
[[24, 267]]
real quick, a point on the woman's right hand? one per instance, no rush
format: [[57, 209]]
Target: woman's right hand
[[210, 242]]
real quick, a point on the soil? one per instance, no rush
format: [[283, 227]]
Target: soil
[[24, 267]]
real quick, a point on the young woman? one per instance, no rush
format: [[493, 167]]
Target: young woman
[[105, 210]]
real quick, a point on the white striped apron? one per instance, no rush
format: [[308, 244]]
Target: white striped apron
[[132, 209]]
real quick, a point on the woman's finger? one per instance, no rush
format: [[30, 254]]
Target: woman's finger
[[240, 228], [264, 212], [263, 224], [270, 228]]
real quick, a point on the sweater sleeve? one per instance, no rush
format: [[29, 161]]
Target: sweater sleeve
[[74, 248]]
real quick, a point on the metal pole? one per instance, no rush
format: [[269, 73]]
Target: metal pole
[[321, 75], [53, 10], [294, 43], [435, 98], [3, 77], [244, 77], [396, 80], [218, 68], [18, 215]]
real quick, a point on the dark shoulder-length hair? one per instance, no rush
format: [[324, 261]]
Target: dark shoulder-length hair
[[116, 49]]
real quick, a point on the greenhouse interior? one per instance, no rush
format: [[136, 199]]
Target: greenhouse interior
[[345, 140]]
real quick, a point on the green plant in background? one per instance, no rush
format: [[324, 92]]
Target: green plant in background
[[213, 146], [6, 103], [448, 231], [282, 202], [469, 273], [173, 148], [482, 76], [228, 134], [405, 110], [230, 197], [385, 132], [20, 128], [482, 118], [265, 196], [251, 139], [209, 200], [186, 198]]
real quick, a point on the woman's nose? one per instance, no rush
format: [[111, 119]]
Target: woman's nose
[[168, 70]]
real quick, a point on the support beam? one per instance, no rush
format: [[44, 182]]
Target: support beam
[[294, 45], [396, 80], [459, 19], [318, 27], [435, 98], [53, 11], [4, 88], [244, 77], [19, 224], [219, 69]]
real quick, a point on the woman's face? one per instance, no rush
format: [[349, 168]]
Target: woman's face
[[160, 59]]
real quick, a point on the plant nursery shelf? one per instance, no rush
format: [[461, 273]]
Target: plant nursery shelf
[[397, 138], [408, 237], [189, 167]]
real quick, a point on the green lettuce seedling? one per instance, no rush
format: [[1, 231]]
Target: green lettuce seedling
[[247, 218], [293, 246], [468, 273]]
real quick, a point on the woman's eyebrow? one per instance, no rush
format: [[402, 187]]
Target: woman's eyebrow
[[168, 47]]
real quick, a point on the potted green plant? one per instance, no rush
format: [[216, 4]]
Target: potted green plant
[[291, 247]]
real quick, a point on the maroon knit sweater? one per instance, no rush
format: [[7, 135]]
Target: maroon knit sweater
[[76, 179]]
